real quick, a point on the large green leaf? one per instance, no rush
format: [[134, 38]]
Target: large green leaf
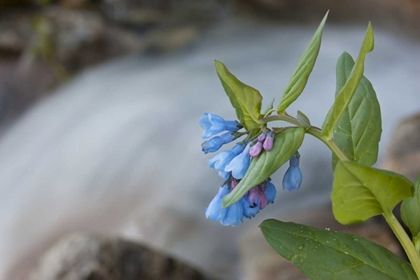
[[245, 99], [349, 88], [304, 68], [410, 210], [361, 192], [323, 255], [286, 143], [358, 131]]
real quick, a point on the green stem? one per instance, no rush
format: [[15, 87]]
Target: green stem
[[405, 241], [314, 131]]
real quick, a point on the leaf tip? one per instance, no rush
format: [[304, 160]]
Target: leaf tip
[[266, 223], [370, 37], [227, 201], [217, 63], [324, 19], [345, 53]]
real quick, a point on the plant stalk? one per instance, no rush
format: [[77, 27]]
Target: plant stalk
[[405, 241], [313, 130]]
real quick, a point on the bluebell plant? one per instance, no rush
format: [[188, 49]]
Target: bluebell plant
[[352, 131]]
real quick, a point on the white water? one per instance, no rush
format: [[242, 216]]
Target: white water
[[118, 150]]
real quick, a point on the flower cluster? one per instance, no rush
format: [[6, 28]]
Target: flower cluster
[[232, 166], [248, 206]]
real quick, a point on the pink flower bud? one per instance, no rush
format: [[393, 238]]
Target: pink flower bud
[[256, 149], [268, 142]]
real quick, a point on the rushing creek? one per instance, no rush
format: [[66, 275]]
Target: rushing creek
[[118, 149]]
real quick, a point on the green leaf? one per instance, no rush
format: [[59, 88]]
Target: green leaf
[[286, 143], [245, 99], [349, 88], [323, 255], [303, 119], [361, 192], [410, 210], [304, 68], [358, 131]]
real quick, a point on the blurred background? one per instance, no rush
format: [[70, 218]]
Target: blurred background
[[99, 135]]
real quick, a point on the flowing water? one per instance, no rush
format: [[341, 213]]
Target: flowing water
[[118, 150]]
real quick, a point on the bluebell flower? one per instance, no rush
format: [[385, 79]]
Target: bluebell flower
[[231, 215], [248, 206], [215, 211], [222, 159], [214, 124], [257, 198], [215, 143], [239, 165], [257, 195], [293, 176], [251, 208], [234, 215], [270, 191]]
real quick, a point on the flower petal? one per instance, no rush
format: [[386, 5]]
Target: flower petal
[[233, 215], [240, 164], [250, 209], [215, 211], [270, 191], [292, 179]]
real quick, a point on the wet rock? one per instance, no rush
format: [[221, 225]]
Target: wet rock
[[165, 12], [403, 152], [301, 9], [88, 257], [71, 38], [75, 3], [398, 15], [260, 261], [16, 96], [14, 3]]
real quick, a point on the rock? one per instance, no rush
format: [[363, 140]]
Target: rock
[[302, 9], [16, 96], [260, 261], [92, 257], [165, 12], [75, 39], [14, 3], [74, 4], [402, 16], [403, 152]]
